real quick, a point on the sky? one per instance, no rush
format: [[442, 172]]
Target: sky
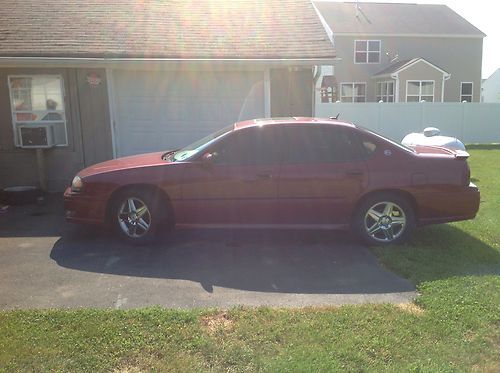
[[481, 13]]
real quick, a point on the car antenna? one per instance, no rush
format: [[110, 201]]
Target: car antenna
[[335, 117]]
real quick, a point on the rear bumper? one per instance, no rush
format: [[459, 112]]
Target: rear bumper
[[456, 205], [79, 208]]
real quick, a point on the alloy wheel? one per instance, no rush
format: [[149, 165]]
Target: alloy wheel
[[134, 217], [385, 221]]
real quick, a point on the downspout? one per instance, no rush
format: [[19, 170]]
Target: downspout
[[445, 78]]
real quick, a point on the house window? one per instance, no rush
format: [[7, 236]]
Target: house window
[[419, 90], [385, 91], [38, 99], [353, 92], [466, 91], [367, 51]]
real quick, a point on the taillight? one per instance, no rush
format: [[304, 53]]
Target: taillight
[[466, 179]]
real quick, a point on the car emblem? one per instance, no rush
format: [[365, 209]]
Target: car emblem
[[387, 152]]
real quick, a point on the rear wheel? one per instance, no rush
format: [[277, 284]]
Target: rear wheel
[[136, 215], [384, 219]]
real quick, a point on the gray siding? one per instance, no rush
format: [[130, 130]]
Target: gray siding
[[95, 117], [461, 57], [18, 166], [291, 92]]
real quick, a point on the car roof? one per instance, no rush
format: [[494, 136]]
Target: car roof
[[290, 120]]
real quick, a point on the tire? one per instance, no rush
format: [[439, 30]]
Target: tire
[[384, 219], [20, 195], [136, 214]]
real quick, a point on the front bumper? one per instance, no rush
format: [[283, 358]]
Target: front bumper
[[80, 208]]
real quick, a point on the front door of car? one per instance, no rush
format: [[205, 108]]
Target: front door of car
[[238, 185], [322, 176]]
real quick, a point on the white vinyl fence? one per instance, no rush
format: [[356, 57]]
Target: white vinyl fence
[[469, 122]]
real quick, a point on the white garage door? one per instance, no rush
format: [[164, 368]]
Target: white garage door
[[158, 111]]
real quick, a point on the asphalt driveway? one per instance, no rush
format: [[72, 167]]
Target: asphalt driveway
[[47, 263]]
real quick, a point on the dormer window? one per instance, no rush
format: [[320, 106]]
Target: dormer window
[[367, 51]]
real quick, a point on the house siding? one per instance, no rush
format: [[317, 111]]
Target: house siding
[[19, 166], [94, 116], [291, 92], [421, 71], [461, 57]]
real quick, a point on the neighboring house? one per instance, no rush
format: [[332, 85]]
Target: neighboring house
[[402, 53], [115, 78], [491, 88]]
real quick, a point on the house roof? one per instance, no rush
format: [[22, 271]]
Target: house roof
[[394, 19], [177, 29], [404, 64]]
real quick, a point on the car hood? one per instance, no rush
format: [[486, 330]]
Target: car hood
[[134, 161]]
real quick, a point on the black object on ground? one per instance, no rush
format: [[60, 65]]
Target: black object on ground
[[20, 195]]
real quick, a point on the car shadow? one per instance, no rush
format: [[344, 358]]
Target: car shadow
[[442, 251], [284, 261]]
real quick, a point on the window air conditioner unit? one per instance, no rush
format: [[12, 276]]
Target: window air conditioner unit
[[36, 136]]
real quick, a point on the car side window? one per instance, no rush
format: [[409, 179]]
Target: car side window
[[322, 145], [252, 146]]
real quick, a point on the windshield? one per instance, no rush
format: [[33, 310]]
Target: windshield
[[196, 147]]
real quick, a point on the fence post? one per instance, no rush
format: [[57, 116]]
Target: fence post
[[462, 127]]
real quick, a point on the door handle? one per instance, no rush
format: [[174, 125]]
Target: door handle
[[259, 176], [354, 172], [264, 176]]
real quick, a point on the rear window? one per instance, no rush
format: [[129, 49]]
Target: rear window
[[321, 144]]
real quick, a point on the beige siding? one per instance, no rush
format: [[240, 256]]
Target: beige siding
[[461, 57], [421, 71]]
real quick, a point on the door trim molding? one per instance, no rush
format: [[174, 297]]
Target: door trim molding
[[112, 110]]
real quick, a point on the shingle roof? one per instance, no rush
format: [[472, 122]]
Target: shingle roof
[[237, 29], [394, 67], [393, 18], [397, 66]]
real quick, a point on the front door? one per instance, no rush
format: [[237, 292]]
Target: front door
[[238, 186]]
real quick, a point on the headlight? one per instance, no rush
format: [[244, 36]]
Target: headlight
[[77, 184]]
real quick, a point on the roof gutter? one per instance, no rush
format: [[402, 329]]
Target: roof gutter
[[140, 62]]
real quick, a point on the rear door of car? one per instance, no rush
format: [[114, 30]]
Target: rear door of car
[[322, 176], [240, 184]]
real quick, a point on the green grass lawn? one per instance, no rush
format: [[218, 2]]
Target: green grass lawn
[[453, 325]]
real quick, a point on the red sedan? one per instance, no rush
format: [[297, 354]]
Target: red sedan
[[279, 173]]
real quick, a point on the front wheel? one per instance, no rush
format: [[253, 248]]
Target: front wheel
[[135, 216], [384, 219]]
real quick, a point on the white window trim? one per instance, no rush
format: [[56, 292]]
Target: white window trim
[[368, 63], [17, 142], [352, 84], [471, 94], [420, 89], [386, 95]]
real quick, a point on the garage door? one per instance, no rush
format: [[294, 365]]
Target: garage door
[[157, 111]]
